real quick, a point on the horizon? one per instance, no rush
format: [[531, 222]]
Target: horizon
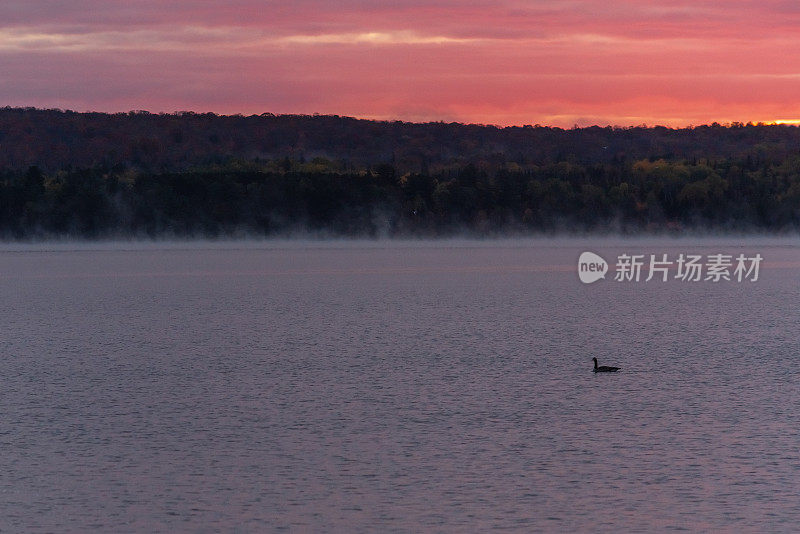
[[566, 63], [178, 113]]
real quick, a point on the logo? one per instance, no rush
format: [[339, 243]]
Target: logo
[[591, 267], [685, 268]]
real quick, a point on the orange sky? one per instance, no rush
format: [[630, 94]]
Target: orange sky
[[509, 62]]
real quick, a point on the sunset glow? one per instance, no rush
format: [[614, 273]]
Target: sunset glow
[[513, 62]]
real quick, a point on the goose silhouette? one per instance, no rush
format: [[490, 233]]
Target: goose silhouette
[[604, 368]]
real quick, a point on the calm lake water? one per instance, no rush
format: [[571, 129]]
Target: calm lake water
[[395, 387]]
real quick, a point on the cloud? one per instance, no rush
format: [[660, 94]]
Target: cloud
[[510, 62], [376, 38], [186, 39]]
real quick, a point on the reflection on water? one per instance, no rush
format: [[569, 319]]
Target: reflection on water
[[407, 386]]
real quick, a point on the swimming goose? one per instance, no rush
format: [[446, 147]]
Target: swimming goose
[[604, 368]]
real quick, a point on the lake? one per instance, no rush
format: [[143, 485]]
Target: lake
[[377, 386]]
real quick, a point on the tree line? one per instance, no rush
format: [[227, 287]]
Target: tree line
[[187, 174], [645, 196]]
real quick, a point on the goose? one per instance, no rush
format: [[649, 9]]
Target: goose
[[604, 368]]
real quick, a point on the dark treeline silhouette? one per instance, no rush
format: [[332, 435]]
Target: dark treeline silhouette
[[188, 174]]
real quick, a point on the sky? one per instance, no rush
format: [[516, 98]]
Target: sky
[[514, 62]]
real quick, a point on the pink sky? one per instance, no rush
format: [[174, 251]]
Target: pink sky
[[554, 62]]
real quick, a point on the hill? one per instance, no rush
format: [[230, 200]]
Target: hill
[[191, 174]]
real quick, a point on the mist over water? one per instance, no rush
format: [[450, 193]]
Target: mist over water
[[394, 386]]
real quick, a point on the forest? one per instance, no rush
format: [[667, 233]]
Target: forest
[[138, 174]]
